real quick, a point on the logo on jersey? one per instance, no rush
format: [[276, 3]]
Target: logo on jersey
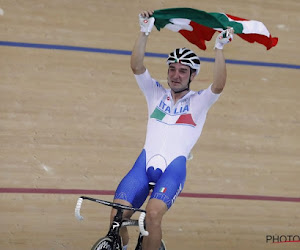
[[177, 116], [158, 84]]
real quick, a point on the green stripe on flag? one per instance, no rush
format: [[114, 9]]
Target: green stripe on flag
[[238, 27], [163, 16], [158, 114], [212, 20]]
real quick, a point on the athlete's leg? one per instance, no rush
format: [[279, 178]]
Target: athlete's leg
[[132, 191], [155, 211], [166, 190]]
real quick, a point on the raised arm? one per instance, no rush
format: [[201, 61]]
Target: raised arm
[[138, 52], [220, 74]]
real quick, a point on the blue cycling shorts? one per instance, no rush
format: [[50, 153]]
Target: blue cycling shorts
[[134, 187]]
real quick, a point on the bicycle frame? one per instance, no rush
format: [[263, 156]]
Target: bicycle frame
[[113, 239]]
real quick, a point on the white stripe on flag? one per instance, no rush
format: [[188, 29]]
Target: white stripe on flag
[[179, 24], [253, 27]]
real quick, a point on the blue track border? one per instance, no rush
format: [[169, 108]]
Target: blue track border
[[148, 54]]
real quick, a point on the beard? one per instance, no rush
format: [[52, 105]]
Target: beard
[[180, 88]]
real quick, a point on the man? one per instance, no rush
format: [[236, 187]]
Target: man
[[176, 118]]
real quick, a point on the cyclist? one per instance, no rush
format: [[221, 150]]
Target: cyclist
[[175, 121]]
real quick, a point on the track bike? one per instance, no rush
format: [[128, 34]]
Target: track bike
[[113, 240]]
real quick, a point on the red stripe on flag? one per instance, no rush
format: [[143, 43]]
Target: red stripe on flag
[[186, 119], [269, 42], [199, 35]]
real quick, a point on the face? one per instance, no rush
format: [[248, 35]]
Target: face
[[179, 76]]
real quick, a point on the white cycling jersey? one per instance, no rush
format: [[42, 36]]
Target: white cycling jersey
[[173, 129]]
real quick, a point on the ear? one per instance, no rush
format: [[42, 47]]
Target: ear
[[192, 76]]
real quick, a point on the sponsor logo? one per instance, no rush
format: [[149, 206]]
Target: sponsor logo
[[115, 225], [177, 193], [103, 245]]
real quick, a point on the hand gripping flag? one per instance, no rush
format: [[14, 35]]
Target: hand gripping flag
[[198, 26]]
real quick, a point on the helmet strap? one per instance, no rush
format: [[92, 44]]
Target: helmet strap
[[179, 91]]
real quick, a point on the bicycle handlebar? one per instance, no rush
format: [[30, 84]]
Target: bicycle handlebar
[[143, 231], [77, 209], [116, 206]]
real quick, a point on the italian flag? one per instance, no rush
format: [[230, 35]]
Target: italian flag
[[184, 119], [198, 26]]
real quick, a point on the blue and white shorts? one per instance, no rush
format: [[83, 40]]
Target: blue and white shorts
[[134, 187]]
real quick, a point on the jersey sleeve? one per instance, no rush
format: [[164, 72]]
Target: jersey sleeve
[[204, 99], [151, 89]]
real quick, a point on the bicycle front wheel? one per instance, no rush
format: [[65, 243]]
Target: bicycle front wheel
[[162, 246], [104, 243]]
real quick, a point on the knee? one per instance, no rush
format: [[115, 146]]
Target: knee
[[154, 216]]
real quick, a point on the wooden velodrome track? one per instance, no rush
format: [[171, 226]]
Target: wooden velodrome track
[[73, 122]]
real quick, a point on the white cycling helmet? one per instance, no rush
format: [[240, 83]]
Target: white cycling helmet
[[186, 57]]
